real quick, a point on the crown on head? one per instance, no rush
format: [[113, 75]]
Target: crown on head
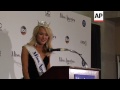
[[43, 23]]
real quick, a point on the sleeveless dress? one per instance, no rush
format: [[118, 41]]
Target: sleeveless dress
[[32, 70]]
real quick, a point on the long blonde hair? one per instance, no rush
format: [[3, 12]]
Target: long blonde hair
[[33, 40]]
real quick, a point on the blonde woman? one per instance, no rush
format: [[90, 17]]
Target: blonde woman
[[34, 57]]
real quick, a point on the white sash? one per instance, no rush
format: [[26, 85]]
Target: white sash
[[37, 59]]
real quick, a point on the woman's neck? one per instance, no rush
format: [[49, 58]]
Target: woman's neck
[[39, 47]]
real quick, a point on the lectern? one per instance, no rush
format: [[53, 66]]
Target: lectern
[[68, 72]]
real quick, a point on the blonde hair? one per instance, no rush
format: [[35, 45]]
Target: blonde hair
[[33, 40]]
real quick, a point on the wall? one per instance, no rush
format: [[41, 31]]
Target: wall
[[117, 31], [108, 53]]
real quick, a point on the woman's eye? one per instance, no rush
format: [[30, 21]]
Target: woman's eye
[[46, 34], [40, 33], [43, 34]]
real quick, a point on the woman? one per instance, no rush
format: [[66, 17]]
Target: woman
[[34, 57]]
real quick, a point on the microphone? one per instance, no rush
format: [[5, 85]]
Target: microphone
[[84, 63], [57, 49]]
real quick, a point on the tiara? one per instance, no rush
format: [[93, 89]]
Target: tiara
[[43, 23]]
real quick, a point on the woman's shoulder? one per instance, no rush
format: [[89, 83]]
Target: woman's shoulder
[[24, 50], [24, 46]]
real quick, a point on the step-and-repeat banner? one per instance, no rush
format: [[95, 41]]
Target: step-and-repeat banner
[[70, 30]]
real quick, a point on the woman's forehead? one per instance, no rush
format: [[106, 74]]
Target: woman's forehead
[[42, 30]]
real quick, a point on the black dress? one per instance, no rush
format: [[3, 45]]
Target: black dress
[[33, 73]]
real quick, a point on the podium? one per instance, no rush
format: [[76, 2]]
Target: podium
[[68, 72]]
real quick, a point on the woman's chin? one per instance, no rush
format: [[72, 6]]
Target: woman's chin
[[42, 43]]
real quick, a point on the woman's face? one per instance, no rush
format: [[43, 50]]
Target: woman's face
[[42, 36]]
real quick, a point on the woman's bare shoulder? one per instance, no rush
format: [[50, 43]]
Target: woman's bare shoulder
[[24, 46]]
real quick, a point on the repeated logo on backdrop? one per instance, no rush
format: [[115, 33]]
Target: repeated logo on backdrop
[[83, 23], [15, 54], [0, 26], [67, 39], [23, 30], [66, 60], [69, 19], [0, 53], [54, 37], [47, 13], [83, 42]]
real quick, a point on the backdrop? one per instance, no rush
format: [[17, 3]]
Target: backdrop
[[71, 30]]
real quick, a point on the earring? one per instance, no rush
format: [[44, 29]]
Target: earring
[[35, 44]]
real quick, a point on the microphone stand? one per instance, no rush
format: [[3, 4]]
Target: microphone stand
[[84, 64]]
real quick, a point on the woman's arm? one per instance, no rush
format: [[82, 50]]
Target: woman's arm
[[24, 60]]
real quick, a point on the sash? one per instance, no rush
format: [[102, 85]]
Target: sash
[[37, 59]]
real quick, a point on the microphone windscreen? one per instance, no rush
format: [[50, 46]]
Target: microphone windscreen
[[62, 49], [49, 50]]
